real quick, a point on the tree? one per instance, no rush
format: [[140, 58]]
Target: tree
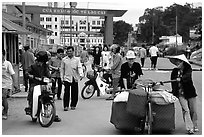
[[120, 32], [164, 22], [152, 26]]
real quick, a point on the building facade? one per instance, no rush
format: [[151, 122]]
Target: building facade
[[85, 30]]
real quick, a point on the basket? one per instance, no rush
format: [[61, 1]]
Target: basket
[[136, 104], [90, 74]]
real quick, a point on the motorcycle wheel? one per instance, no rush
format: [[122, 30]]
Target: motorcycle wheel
[[46, 118], [87, 91]]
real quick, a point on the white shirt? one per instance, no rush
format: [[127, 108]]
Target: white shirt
[[7, 71], [106, 58], [71, 68], [153, 51]]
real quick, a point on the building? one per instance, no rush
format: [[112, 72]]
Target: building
[[10, 42], [38, 36], [85, 30], [171, 40]]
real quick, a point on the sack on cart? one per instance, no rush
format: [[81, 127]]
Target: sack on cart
[[121, 119], [163, 118], [162, 97], [136, 104]]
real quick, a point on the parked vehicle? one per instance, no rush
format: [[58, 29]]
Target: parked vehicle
[[96, 82]]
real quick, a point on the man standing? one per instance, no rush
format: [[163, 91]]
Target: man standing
[[143, 54], [70, 72], [153, 56], [27, 59], [115, 69], [55, 63]]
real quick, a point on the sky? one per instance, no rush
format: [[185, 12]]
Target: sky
[[135, 8]]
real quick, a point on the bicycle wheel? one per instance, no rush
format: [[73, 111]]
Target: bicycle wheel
[[47, 114], [87, 91], [149, 119]]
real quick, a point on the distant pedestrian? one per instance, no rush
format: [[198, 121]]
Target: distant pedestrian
[[184, 89], [97, 56], [84, 56], [106, 57], [27, 59], [142, 54], [55, 64], [70, 72], [188, 51], [8, 80], [153, 56]]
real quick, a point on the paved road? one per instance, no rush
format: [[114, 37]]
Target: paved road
[[92, 116]]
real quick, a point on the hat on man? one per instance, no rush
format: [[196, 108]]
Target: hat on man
[[130, 54]]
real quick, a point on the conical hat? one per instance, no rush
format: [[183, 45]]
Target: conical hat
[[180, 57]]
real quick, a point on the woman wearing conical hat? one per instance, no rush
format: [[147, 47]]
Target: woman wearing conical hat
[[184, 88]]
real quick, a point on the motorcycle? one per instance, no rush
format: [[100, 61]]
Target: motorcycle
[[43, 107], [96, 82]]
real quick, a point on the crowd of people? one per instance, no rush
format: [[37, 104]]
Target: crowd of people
[[67, 70]]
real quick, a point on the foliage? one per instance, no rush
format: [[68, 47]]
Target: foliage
[[120, 32], [163, 22]]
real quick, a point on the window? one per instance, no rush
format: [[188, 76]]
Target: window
[[42, 26], [55, 26], [82, 22], [48, 26], [62, 22], [42, 19], [52, 41], [82, 40], [55, 33], [67, 22], [55, 18], [93, 22], [48, 19], [98, 22]]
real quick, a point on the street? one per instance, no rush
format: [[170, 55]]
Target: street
[[92, 116]]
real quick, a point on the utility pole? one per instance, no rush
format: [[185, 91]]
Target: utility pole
[[176, 29], [24, 25], [153, 27], [64, 28]]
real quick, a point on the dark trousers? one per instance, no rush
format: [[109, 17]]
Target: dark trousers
[[25, 80], [59, 89], [74, 93], [30, 94], [153, 61], [142, 61]]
